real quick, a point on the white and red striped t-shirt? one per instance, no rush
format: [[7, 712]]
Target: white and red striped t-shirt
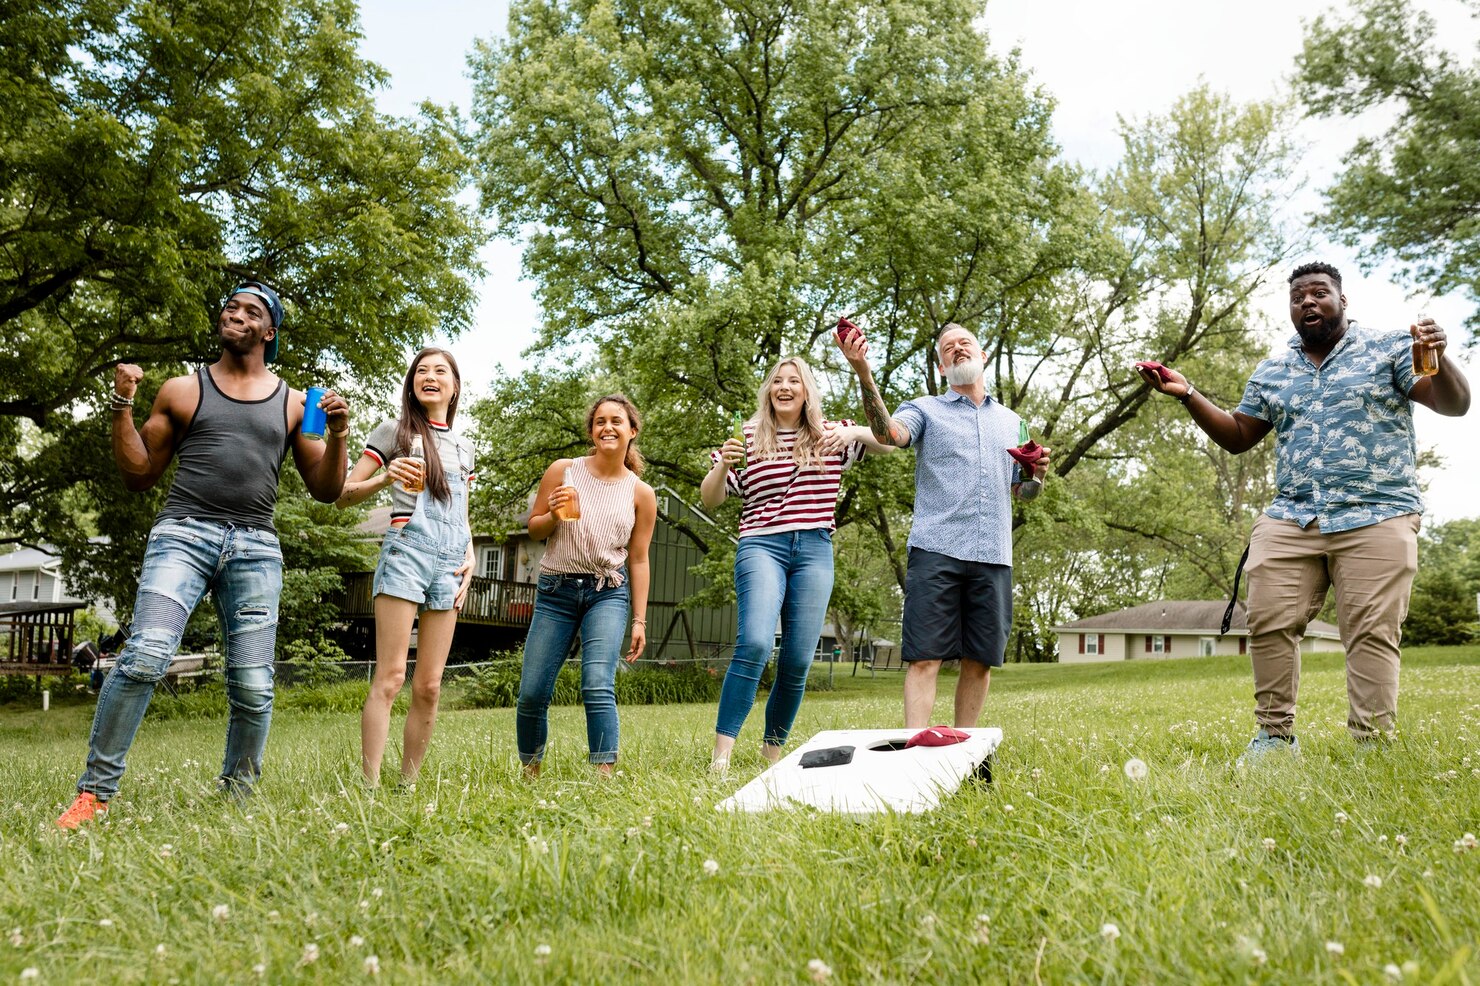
[[778, 495]]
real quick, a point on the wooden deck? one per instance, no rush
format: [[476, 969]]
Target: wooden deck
[[36, 638]]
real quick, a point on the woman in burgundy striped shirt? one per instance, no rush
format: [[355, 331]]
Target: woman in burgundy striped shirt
[[787, 472]]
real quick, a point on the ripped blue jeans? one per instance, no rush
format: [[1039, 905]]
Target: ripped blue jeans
[[242, 567]]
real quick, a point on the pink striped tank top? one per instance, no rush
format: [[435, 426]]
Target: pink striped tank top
[[597, 543]]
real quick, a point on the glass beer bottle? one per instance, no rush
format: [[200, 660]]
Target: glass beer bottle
[[417, 453], [1425, 358], [570, 509], [739, 423]]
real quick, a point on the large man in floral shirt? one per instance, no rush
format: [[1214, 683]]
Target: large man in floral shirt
[[1346, 514]]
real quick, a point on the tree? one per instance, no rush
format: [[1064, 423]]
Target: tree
[[1411, 194], [157, 153], [1446, 590], [704, 187]]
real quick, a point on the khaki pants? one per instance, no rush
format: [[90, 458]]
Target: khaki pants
[[1290, 570]]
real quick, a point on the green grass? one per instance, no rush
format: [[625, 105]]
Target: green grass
[[463, 879]]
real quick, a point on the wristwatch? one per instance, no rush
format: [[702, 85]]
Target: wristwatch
[[1184, 398]]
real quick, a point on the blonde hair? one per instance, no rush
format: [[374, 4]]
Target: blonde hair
[[807, 451]]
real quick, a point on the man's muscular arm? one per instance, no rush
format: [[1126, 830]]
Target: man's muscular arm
[[886, 430], [142, 454]]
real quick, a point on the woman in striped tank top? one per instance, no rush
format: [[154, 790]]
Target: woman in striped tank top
[[598, 519], [787, 472]]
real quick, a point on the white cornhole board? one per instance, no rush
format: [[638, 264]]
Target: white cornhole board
[[883, 776]]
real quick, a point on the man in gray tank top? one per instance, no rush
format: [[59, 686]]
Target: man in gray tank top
[[231, 425]]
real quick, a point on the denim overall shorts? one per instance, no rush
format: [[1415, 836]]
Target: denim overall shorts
[[418, 559]]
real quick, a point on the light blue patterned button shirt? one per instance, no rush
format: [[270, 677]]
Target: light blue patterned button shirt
[[963, 476], [1345, 444]]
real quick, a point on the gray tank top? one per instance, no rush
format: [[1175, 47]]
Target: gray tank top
[[229, 458]]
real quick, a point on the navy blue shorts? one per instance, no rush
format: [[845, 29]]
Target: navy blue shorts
[[955, 609]]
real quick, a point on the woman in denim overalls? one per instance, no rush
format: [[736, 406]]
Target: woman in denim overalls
[[426, 558]]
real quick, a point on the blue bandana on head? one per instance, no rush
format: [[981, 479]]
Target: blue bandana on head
[[274, 312]]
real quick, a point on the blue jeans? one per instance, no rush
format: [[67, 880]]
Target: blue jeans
[[243, 569], [563, 605], [789, 576]]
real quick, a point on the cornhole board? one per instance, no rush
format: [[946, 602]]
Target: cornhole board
[[883, 775]]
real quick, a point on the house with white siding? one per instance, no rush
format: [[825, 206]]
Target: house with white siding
[[30, 575], [1171, 628]]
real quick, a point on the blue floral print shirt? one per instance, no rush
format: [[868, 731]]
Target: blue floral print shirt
[[1345, 444]]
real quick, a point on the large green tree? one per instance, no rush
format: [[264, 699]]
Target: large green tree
[[1411, 193], [154, 153], [703, 186]]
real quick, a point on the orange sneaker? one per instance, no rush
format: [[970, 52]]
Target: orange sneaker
[[86, 808]]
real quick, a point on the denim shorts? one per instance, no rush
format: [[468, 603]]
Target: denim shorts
[[418, 561]]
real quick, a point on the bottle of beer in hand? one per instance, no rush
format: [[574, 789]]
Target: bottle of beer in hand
[[739, 422], [570, 509], [1425, 358], [418, 453]]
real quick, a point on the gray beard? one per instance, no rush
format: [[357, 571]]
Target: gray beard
[[964, 374]]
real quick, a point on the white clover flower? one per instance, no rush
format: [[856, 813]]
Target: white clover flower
[[1468, 840], [355, 941], [431, 808], [220, 912], [711, 867], [1136, 769], [17, 937], [1007, 809], [376, 892], [105, 923], [633, 832], [273, 915], [1104, 768], [1400, 839], [1372, 880], [1258, 956], [341, 828], [542, 951], [310, 953], [1335, 948], [1269, 845], [1037, 773], [1341, 818], [166, 851], [1393, 971], [647, 821], [372, 965], [1109, 932], [260, 968], [819, 970], [30, 972], [364, 904], [159, 950]]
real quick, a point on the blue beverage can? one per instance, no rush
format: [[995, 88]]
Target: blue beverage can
[[314, 418]]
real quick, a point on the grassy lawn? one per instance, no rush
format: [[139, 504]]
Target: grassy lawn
[[1324, 869]]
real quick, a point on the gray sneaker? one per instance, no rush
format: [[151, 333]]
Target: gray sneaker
[[1263, 744]]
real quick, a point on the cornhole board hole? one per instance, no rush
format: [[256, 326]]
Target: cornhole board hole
[[883, 774]]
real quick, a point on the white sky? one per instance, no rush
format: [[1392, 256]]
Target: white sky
[[1098, 60]]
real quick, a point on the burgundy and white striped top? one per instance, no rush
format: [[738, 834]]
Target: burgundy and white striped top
[[779, 496], [597, 543]]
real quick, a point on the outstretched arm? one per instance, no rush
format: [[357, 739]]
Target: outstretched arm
[[1236, 432], [885, 429]]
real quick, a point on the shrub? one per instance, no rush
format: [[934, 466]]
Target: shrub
[[497, 686]]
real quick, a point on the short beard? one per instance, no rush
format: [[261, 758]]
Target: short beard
[[964, 374], [1323, 334]]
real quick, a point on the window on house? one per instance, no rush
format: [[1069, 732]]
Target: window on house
[[491, 561], [1207, 646], [1091, 643], [1158, 644]]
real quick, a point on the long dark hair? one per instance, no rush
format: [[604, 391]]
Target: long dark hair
[[414, 421], [633, 459]]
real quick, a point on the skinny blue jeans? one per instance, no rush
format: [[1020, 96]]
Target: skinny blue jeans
[[563, 605], [242, 567], [789, 576]]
